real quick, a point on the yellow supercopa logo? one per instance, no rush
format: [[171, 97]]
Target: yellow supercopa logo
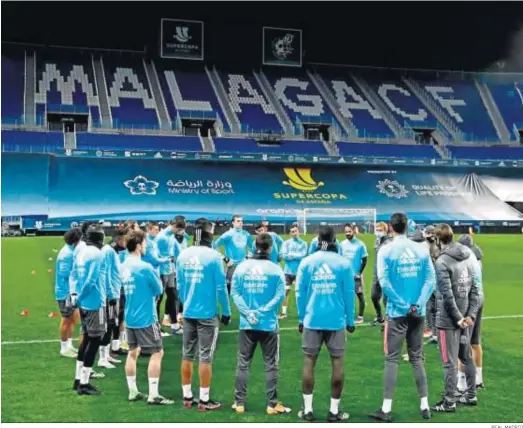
[[305, 188], [300, 179]]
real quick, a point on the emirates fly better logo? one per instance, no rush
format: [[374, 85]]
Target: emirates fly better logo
[[392, 189]]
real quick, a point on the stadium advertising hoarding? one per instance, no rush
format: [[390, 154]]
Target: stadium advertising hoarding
[[282, 46], [73, 189], [292, 159], [182, 39]]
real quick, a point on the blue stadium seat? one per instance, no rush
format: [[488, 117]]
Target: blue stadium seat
[[236, 145], [32, 141], [494, 153], [86, 141], [388, 150]]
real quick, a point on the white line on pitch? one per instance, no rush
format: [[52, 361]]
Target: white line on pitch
[[29, 342]]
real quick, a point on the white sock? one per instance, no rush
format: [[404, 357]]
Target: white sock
[[284, 310], [204, 394], [85, 376], [462, 381], [64, 345], [70, 342], [187, 391], [424, 403], [131, 383], [166, 317], [103, 353], [307, 403], [479, 375], [175, 326], [387, 405], [79, 367], [153, 387], [335, 404], [115, 345], [124, 336]]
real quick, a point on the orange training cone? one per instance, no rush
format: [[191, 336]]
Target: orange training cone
[[52, 315], [24, 313]]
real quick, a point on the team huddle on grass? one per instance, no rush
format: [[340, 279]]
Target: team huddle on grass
[[430, 286]]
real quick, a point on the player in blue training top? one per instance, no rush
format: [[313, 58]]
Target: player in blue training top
[[325, 301], [293, 251], [142, 288], [236, 243], [70, 315], [406, 275], [277, 243], [88, 292], [111, 280], [355, 251], [165, 243], [201, 286], [173, 305], [257, 291]]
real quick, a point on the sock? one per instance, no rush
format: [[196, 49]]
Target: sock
[[86, 374], [64, 345], [424, 403], [307, 403], [335, 403], [204, 394], [79, 367], [166, 317], [175, 326], [387, 405], [187, 391], [103, 354], [479, 375], [131, 383], [124, 336], [70, 342], [115, 345], [284, 310], [462, 381], [153, 386]]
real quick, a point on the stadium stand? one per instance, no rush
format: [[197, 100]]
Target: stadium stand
[[234, 145], [129, 94], [85, 141], [126, 95], [250, 105], [188, 93], [388, 150], [12, 87], [494, 153], [31, 141]]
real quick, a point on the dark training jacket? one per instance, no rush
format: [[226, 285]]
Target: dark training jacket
[[457, 286]]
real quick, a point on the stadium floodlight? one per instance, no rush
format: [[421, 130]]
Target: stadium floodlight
[[310, 218]]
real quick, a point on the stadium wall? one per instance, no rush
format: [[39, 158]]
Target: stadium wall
[[73, 189]]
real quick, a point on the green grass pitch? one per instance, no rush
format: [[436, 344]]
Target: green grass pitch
[[36, 382]]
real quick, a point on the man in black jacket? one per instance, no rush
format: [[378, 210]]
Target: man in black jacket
[[457, 296]]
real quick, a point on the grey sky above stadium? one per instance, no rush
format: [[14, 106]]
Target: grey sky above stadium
[[437, 35]]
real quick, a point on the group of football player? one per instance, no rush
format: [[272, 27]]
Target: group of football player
[[116, 291]]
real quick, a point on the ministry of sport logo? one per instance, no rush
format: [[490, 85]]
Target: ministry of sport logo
[[282, 47], [140, 185], [392, 189], [300, 179], [182, 34]]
